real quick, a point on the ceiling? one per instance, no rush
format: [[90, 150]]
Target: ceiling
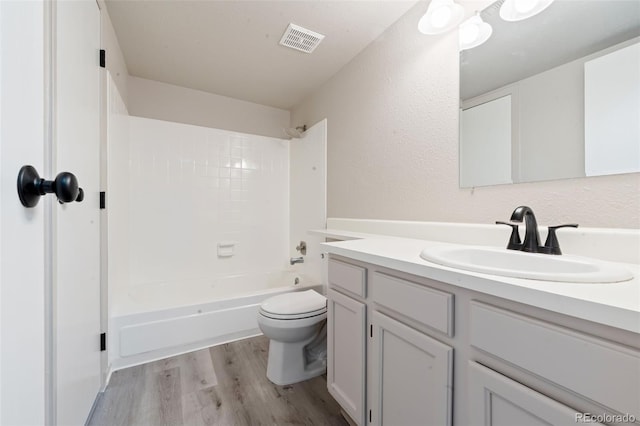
[[231, 48], [566, 31]]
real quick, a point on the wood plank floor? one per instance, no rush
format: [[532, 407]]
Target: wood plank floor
[[222, 385]]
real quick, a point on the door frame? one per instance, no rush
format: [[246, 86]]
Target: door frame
[[49, 211], [104, 221]]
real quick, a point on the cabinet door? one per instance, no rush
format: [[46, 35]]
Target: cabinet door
[[495, 400], [346, 353], [412, 376]]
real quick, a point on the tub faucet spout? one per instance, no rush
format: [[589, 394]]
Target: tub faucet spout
[[295, 260]]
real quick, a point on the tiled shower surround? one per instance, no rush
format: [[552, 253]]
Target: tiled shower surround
[[192, 188]]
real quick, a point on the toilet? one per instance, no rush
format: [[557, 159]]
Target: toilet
[[295, 324]]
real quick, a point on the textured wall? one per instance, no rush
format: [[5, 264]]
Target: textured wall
[[393, 144], [161, 101]]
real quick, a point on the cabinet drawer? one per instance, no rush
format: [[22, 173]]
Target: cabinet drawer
[[496, 400], [428, 306], [599, 370], [348, 277]]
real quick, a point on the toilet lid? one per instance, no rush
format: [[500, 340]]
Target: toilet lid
[[295, 303]]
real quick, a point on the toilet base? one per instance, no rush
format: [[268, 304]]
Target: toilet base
[[287, 363]]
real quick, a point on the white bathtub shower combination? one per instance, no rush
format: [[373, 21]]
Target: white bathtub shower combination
[[164, 319], [201, 228]]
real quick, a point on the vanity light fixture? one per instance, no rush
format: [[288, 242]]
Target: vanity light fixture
[[441, 16], [473, 32], [517, 10]]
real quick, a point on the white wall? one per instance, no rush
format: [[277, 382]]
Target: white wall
[[115, 62], [193, 187], [308, 197], [393, 144], [485, 143], [162, 101], [551, 124]]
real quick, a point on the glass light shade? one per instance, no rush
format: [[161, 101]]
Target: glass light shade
[[473, 32], [441, 16], [517, 10]]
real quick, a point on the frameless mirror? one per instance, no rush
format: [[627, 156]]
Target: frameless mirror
[[553, 96]]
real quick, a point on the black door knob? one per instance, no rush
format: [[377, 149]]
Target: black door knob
[[31, 187], [65, 187]]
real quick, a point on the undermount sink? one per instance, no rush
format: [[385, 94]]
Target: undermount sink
[[518, 264]]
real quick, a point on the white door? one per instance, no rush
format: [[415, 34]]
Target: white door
[[77, 240], [49, 256], [22, 254]]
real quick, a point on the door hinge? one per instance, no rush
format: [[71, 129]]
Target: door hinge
[[103, 342], [103, 200], [369, 416], [103, 58], [371, 330]]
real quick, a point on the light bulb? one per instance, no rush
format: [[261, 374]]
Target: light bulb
[[525, 6], [473, 32], [441, 17], [468, 33]]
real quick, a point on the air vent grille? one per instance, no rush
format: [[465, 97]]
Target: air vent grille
[[300, 38]]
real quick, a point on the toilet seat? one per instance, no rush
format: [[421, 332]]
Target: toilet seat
[[295, 305], [293, 316]]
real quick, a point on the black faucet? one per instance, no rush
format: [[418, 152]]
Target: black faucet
[[531, 236], [531, 241]]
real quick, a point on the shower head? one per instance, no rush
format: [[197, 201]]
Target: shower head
[[295, 132]]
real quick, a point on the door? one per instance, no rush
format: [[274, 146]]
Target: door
[[77, 238], [22, 252], [49, 254], [495, 400], [412, 376], [346, 354]]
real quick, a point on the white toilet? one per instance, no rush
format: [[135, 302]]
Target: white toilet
[[295, 324]]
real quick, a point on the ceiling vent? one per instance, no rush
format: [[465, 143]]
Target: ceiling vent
[[300, 38]]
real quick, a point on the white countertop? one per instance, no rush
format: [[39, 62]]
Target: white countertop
[[614, 304]]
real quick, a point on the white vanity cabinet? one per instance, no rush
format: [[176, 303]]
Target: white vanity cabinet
[[408, 350], [410, 373]]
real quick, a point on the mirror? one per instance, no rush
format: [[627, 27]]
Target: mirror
[[554, 96]]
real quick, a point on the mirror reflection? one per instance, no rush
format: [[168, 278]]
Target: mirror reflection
[[553, 96]]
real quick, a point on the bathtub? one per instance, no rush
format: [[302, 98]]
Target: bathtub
[[159, 320]]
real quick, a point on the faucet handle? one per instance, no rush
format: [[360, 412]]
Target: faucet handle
[[552, 244], [514, 240]]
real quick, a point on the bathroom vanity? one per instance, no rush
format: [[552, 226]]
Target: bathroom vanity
[[414, 343]]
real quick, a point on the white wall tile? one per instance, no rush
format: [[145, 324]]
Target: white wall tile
[[192, 187]]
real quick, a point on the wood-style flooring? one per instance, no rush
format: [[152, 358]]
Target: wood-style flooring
[[222, 385]]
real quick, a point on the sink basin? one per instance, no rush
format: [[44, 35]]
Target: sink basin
[[517, 264]]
